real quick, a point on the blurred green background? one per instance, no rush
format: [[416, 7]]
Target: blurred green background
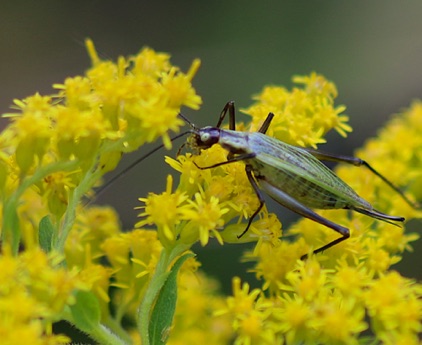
[[371, 50]]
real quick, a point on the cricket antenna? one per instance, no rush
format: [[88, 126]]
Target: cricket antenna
[[128, 168], [188, 121]]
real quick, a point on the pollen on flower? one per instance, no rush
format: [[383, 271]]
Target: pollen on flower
[[157, 119], [80, 132]]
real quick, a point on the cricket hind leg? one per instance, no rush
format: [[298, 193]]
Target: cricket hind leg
[[325, 156], [292, 204], [264, 127]]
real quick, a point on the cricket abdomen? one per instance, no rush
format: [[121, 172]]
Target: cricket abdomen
[[306, 192]]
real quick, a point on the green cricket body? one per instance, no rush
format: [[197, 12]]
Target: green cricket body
[[292, 170], [293, 176]]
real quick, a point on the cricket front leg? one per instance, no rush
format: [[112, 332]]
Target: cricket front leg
[[292, 204], [258, 194], [229, 107]]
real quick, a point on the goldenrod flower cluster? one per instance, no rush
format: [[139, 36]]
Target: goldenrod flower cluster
[[63, 260], [34, 291], [303, 115]]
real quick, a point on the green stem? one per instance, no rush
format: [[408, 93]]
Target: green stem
[[116, 327], [103, 335], [99, 332], [86, 183], [157, 281], [11, 231]]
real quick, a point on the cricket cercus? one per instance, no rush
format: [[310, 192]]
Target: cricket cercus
[[292, 176]]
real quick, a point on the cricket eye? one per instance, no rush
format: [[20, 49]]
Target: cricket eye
[[209, 138]]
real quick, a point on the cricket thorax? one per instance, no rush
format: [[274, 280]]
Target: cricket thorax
[[235, 142]]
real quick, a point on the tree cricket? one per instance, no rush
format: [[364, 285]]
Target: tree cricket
[[292, 176]]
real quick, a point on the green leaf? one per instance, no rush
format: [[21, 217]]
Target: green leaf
[[46, 230], [86, 311], [163, 312]]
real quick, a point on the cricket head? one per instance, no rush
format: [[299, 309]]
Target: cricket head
[[200, 138], [206, 137]]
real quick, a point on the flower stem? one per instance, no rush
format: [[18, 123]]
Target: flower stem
[[157, 281], [11, 229]]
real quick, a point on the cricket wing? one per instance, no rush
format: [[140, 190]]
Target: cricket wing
[[303, 177]]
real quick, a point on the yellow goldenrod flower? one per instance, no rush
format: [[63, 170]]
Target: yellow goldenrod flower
[[302, 116], [55, 150], [33, 294], [229, 196], [197, 299], [394, 306], [274, 262], [57, 187], [351, 280], [94, 226], [133, 257], [179, 87], [32, 131], [166, 222], [294, 318], [242, 301], [204, 217]]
